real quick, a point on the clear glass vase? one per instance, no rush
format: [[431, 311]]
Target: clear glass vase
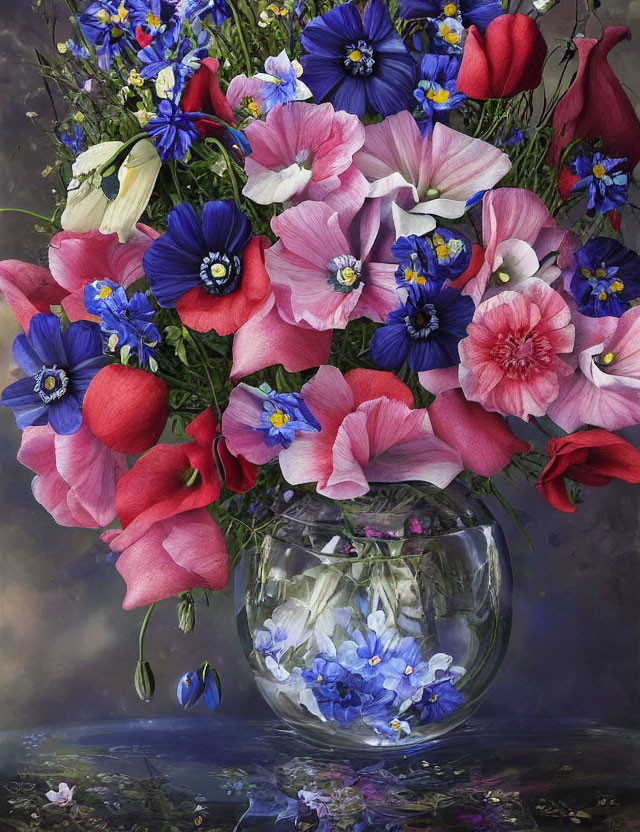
[[379, 621]]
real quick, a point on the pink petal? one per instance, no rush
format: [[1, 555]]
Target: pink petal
[[242, 87], [28, 289], [239, 426], [391, 152], [511, 213], [437, 381]]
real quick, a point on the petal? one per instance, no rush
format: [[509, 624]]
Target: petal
[[65, 415]]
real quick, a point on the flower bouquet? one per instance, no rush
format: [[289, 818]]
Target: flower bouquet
[[319, 246]]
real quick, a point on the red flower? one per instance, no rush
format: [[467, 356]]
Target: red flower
[[203, 95], [171, 479], [595, 106], [592, 457], [506, 61], [126, 408], [566, 180], [143, 38]]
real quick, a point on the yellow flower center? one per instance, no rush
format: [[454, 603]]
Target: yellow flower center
[[440, 97], [449, 35], [442, 251], [607, 358], [121, 15], [412, 276], [395, 724], [319, 677], [601, 273], [503, 277], [433, 699], [616, 286], [602, 296], [102, 16], [153, 20], [253, 106], [586, 273], [408, 670], [105, 292], [348, 276], [598, 171], [135, 79], [450, 9], [218, 270], [49, 383], [278, 419], [355, 55], [374, 661]]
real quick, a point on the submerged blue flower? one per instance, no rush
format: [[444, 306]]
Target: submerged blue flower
[[173, 130], [425, 329], [366, 651], [478, 13], [605, 183], [59, 367], [106, 24], [359, 63], [439, 701], [74, 141], [406, 672], [323, 671], [437, 93], [607, 278], [283, 414], [124, 322]]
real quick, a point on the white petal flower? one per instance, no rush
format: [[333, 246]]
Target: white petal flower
[[62, 797]]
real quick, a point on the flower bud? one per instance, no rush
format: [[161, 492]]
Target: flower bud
[[190, 688], [187, 614], [144, 681], [212, 687]]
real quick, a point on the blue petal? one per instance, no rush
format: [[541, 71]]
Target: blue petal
[[82, 340], [183, 227], [226, 229], [351, 95], [25, 357], [27, 405], [322, 76], [170, 271], [65, 416], [389, 346], [46, 339]]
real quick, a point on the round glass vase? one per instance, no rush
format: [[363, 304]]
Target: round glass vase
[[379, 621]]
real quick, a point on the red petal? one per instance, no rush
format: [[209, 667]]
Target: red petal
[[240, 475], [203, 94], [143, 38], [372, 384]]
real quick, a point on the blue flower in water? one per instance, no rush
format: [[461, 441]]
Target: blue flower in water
[[270, 641], [106, 25], [323, 671], [74, 141], [478, 13], [359, 63], [352, 697], [365, 652], [424, 330], [282, 415], [59, 367], [124, 322], [607, 278], [437, 93], [439, 701], [406, 672], [173, 130], [600, 176], [447, 36]]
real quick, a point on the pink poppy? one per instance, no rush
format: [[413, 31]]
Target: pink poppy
[[78, 259], [266, 340], [370, 433], [435, 174], [28, 289], [322, 268], [509, 361], [305, 151], [605, 388], [172, 555], [76, 475], [518, 234]]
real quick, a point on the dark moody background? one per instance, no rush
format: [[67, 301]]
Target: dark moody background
[[67, 650]]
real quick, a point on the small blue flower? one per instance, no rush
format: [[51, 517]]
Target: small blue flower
[[271, 641], [323, 671], [358, 62], [283, 415], [600, 176], [106, 25], [203, 682], [437, 93], [365, 652], [510, 138], [439, 701], [405, 672], [182, 56], [281, 84], [59, 366], [190, 689], [478, 13], [74, 141], [447, 36], [425, 329], [76, 50], [607, 278], [431, 259], [154, 16], [173, 130]]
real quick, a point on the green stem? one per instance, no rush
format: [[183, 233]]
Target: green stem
[[232, 173], [205, 367], [143, 630], [178, 383], [243, 43], [133, 140], [50, 220]]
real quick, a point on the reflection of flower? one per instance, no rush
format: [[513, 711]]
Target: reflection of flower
[[62, 797]]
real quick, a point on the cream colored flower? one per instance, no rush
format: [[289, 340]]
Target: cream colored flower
[[112, 203]]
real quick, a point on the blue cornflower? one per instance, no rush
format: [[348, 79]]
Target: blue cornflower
[[154, 16], [106, 24], [607, 278], [74, 141], [424, 330], [124, 322], [439, 701], [598, 174], [173, 130], [511, 137], [447, 36], [437, 93], [182, 56], [478, 13], [59, 367], [283, 414], [359, 63]]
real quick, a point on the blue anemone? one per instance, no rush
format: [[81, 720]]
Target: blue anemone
[[173, 130], [358, 62], [282, 415], [59, 367], [437, 93], [478, 13], [607, 278], [439, 701], [601, 177], [425, 329]]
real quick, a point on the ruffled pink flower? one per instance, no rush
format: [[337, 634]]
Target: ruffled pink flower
[[76, 475], [518, 233], [266, 340], [370, 433], [322, 268], [305, 151], [436, 174], [509, 361], [180, 553], [605, 388]]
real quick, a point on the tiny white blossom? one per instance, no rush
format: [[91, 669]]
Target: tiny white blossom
[[63, 797]]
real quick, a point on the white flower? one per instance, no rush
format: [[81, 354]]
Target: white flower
[[63, 797], [114, 203]]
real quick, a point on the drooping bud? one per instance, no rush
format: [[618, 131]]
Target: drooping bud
[[187, 613], [144, 681]]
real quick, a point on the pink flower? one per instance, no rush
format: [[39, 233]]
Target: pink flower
[[172, 555], [509, 360], [241, 88], [370, 433], [436, 174], [28, 289], [322, 269], [605, 388], [305, 151], [518, 233], [76, 475], [266, 339], [78, 259]]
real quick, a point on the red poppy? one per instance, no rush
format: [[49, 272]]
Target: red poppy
[[507, 60], [203, 95], [596, 106], [591, 457]]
